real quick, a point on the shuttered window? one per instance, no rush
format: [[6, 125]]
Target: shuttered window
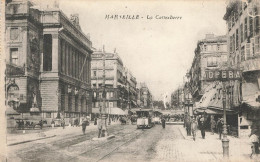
[[14, 56]]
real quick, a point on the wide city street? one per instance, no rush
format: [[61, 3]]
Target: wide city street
[[134, 144], [129, 144]]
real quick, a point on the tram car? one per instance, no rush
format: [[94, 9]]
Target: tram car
[[156, 117], [144, 119]]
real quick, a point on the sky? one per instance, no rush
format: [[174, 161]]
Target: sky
[[157, 52]]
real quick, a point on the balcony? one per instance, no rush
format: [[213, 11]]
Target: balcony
[[252, 64], [14, 70]]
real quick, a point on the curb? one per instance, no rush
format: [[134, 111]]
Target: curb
[[17, 143], [182, 134]]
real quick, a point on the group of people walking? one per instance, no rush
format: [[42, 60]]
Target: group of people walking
[[192, 124]]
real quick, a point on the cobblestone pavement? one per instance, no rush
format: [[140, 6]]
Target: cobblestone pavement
[[130, 144]]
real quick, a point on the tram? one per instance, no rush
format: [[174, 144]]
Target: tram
[[156, 117], [144, 119]]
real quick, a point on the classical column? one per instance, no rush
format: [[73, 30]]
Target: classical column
[[55, 52]]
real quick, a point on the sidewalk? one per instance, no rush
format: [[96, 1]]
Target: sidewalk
[[14, 139], [210, 148]]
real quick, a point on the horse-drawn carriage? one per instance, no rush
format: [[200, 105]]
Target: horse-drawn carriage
[[29, 124]]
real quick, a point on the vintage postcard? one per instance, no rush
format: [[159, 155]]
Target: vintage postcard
[[173, 80]]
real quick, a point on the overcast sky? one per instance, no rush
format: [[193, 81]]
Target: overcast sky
[[158, 52]]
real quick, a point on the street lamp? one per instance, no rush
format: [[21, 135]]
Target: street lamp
[[225, 141]]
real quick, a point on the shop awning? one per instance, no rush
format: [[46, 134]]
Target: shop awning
[[213, 111], [250, 95], [212, 102], [211, 96]]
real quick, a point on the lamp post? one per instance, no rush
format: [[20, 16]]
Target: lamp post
[[225, 141], [103, 108]]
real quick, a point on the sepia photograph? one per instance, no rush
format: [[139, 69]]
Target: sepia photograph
[[130, 80]]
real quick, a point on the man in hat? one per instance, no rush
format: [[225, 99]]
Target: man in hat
[[220, 124], [202, 127], [194, 126]]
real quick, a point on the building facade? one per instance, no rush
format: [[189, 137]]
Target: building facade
[[243, 33], [144, 99], [210, 54], [115, 80], [131, 89], [47, 62]]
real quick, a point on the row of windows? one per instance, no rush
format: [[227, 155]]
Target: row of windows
[[108, 104], [247, 28], [82, 101], [74, 62], [108, 94], [217, 47]]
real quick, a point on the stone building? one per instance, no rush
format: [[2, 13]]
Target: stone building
[[144, 98], [243, 34], [210, 54], [47, 62], [115, 81], [131, 89]]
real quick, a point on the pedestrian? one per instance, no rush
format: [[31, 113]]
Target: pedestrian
[[188, 126], [99, 127], [95, 121], [212, 125], [254, 138], [41, 124], [63, 123], [220, 124], [163, 122], [194, 126], [84, 125], [52, 123], [202, 127]]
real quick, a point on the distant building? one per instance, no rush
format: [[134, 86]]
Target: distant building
[[47, 62], [210, 54], [131, 88], [115, 84], [144, 96]]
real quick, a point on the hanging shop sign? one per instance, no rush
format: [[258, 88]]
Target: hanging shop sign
[[223, 75]]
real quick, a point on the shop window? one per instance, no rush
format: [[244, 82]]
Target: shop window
[[48, 114], [14, 34], [47, 52], [14, 56]]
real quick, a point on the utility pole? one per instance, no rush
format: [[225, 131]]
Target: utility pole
[[103, 110]]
